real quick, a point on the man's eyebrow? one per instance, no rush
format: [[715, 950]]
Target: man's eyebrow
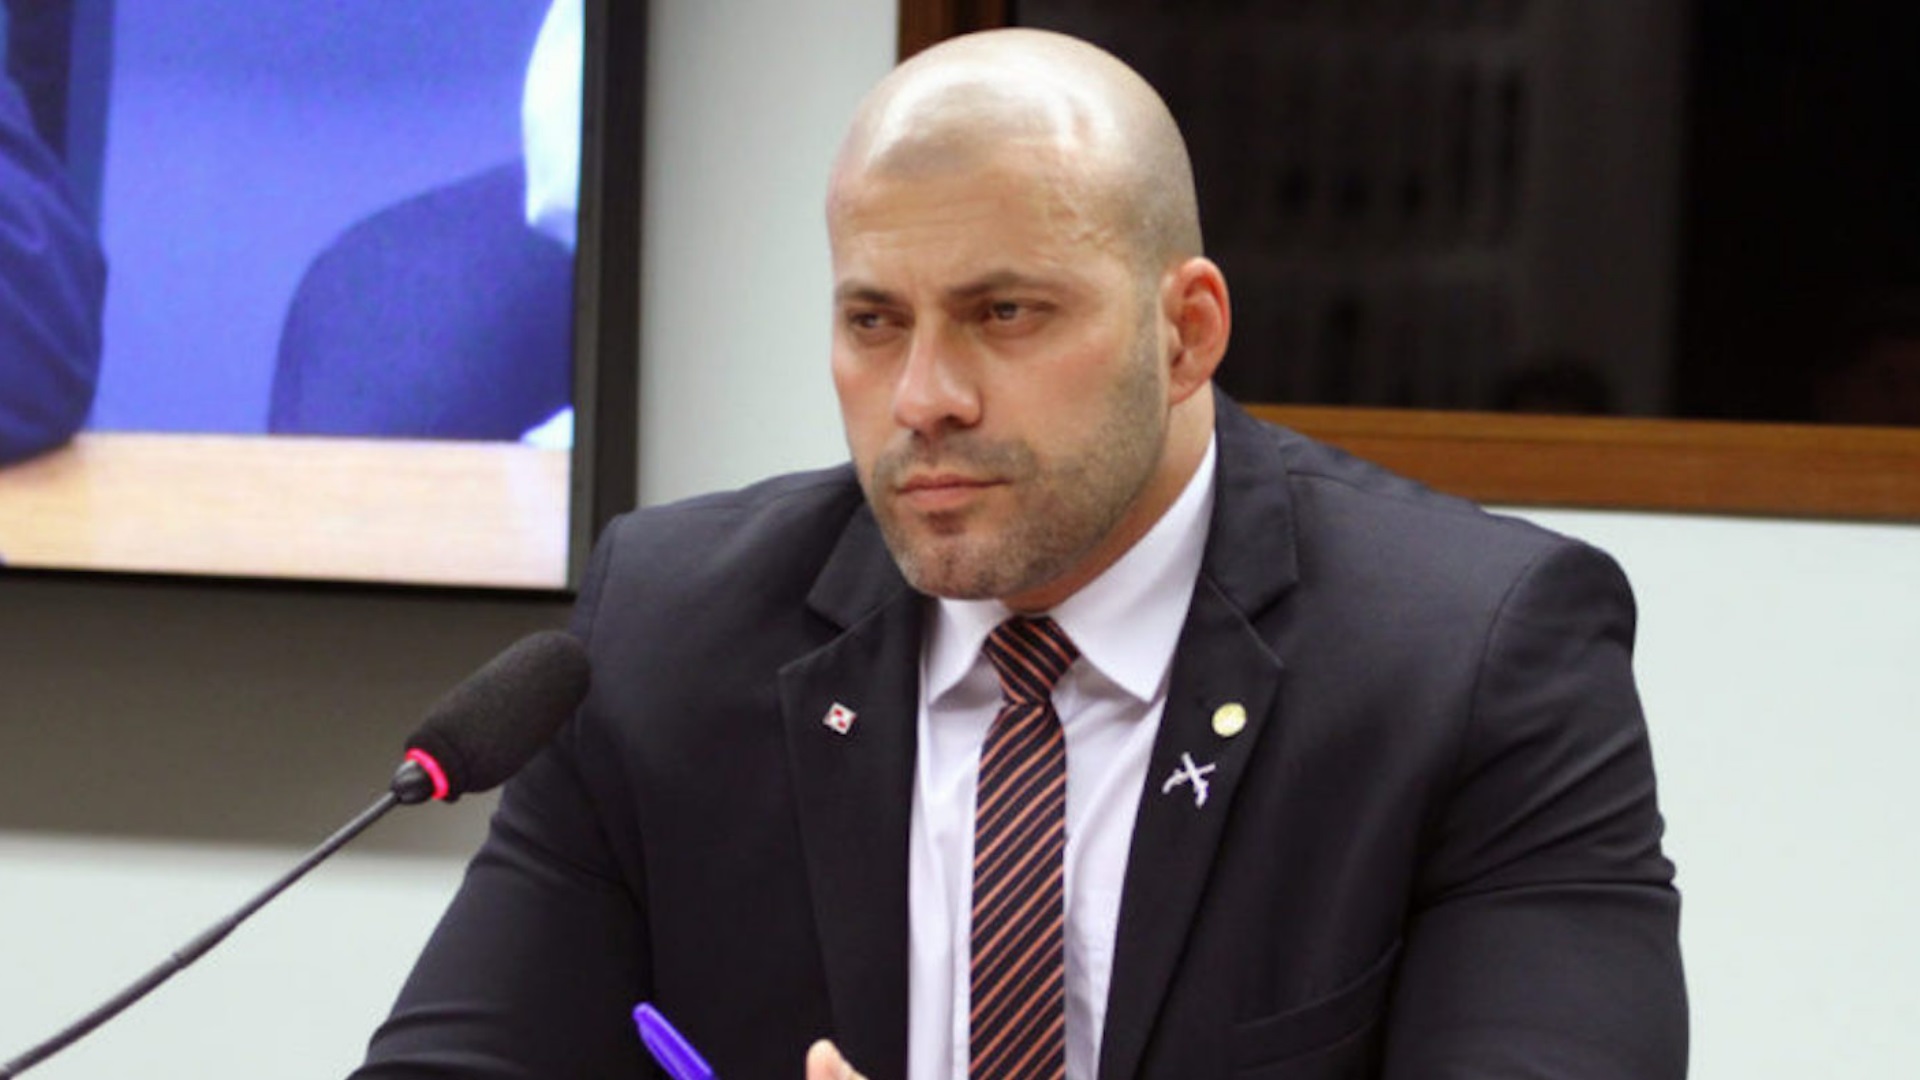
[[859, 292], [984, 285], [996, 281]]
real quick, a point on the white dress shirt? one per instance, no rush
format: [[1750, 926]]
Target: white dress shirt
[[1125, 623]]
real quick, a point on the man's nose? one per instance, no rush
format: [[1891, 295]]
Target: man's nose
[[936, 387]]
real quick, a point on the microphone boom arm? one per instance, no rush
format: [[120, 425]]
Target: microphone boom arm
[[409, 786], [473, 739]]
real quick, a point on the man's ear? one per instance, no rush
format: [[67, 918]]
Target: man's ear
[[1200, 318]]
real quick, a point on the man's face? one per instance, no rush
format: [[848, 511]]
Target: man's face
[[998, 363]]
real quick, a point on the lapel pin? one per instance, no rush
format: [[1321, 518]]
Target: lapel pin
[[839, 719], [1190, 773], [1229, 719]]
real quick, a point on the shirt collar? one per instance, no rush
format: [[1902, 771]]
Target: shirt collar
[[1125, 622]]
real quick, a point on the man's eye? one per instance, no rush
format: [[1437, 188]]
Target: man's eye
[[1004, 310]]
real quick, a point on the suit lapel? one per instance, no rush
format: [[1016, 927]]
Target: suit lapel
[[855, 790], [1221, 662]]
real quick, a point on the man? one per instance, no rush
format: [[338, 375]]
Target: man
[[1355, 781], [53, 281], [449, 315]]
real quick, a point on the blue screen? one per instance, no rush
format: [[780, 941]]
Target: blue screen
[[242, 140], [352, 221]]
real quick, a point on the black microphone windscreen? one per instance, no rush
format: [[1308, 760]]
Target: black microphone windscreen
[[499, 717]]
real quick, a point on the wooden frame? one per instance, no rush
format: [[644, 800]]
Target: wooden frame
[[1791, 470], [1798, 470]]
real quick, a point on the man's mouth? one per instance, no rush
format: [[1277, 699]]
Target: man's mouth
[[935, 492]]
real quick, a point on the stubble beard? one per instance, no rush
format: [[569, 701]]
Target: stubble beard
[[1063, 512]]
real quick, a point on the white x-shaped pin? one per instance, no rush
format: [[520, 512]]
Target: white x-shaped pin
[[1189, 773]]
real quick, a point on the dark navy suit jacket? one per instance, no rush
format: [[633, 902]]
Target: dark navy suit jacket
[[1433, 852], [53, 282], [444, 316]]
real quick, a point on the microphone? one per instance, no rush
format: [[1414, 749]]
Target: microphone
[[473, 739], [493, 723]]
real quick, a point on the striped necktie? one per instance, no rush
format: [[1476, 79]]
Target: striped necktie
[[1017, 1027]]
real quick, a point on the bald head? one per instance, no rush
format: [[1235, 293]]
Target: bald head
[[1024, 327], [1049, 101]]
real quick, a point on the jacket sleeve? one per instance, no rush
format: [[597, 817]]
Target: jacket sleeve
[[1544, 938], [532, 970], [52, 287]]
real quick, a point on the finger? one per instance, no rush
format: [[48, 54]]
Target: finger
[[825, 1063]]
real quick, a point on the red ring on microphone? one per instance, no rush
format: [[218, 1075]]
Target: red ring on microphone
[[434, 772]]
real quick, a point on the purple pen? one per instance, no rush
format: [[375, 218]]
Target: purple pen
[[668, 1047]]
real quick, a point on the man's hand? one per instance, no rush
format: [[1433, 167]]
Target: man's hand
[[825, 1063]]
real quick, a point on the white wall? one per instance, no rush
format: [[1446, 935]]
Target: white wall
[[1777, 660], [746, 101], [294, 993]]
